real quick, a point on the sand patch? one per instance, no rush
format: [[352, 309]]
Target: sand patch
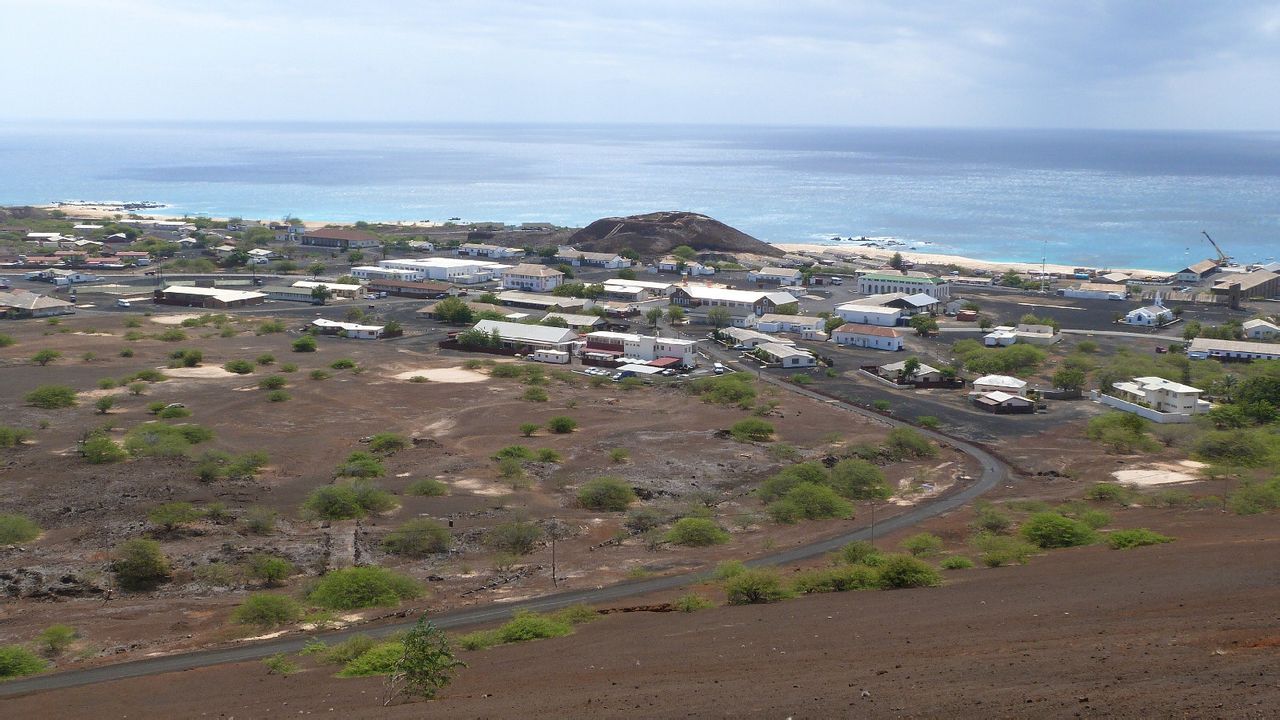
[[174, 319], [479, 487], [1152, 476], [444, 375], [204, 372]]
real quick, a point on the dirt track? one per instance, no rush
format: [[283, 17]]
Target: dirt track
[[1190, 629]]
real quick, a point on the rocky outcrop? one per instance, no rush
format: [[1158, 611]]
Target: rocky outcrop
[[656, 234]]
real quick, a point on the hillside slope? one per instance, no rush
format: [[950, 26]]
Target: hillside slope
[[656, 234]]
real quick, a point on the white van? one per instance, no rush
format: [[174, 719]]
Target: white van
[[718, 368], [123, 303]]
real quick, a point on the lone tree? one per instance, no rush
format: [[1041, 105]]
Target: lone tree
[[895, 262], [718, 317], [315, 269], [653, 315], [427, 665], [321, 294], [44, 357], [923, 324]]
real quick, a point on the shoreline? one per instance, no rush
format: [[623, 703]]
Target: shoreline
[[107, 212]]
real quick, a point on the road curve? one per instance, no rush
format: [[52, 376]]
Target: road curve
[[994, 471]]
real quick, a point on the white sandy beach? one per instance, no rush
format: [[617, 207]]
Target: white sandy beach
[[966, 264]]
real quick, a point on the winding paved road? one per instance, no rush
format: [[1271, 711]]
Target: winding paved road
[[994, 471]]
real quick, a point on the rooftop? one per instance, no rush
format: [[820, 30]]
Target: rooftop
[[703, 292], [529, 333], [24, 300], [222, 294], [1202, 344], [1001, 381], [779, 350], [341, 234], [877, 330], [913, 275], [321, 322], [532, 270]]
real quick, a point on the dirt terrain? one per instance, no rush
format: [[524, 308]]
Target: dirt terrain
[[1189, 629]]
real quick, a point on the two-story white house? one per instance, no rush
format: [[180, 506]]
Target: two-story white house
[[1157, 399], [1258, 329], [535, 278]]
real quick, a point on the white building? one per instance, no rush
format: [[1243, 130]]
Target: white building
[[520, 335], [346, 329], [1205, 348], [1261, 330], [787, 356], [1095, 291], [535, 278], [1157, 399], [637, 289], [869, 314], [746, 339], [909, 282], [922, 373], [644, 348], [755, 302], [1036, 334], [673, 264], [454, 270], [999, 383], [342, 290], [1196, 272], [1156, 315], [780, 276], [875, 337], [1000, 336], [772, 322], [578, 258], [372, 272], [491, 251]]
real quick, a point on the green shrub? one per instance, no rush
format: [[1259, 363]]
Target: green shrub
[[388, 443], [609, 494], [642, 520], [288, 368], [427, 487], [13, 436], [859, 552], [516, 537], [265, 359], [809, 501], [319, 375], [270, 569], [417, 538], [528, 429], [108, 383], [510, 469], [260, 520], [173, 413], [990, 520], [956, 562], [347, 500], [1094, 518], [732, 389], [172, 335], [306, 343], [696, 532], [535, 394], [526, 626], [280, 664], [44, 357], [381, 659], [347, 650], [1137, 537], [361, 465], [562, 425], [173, 515], [267, 610], [903, 443], [342, 364], [185, 358], [104, 404], [154, 439], [6, 340], [55, 639], [506, 370], [1252, 498], [514, 452], [789, 477], [17, 661], [270, 327], [277, 396], [140, 564], [1000, 550], [1121, 432], [272, 382], [751, 430], [882, 405], [857, 479], [1110, 492], [148, 375], [905, 571], [841, 578], [755, 587], [100, 450], [15, 528], [691, 602], [52, 397], [922, 544], [1051, 530], [361, 587]]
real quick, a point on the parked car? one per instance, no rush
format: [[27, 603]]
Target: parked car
[[123, 303], [718, 369]]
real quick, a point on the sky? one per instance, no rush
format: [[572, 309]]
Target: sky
[[965, 63]]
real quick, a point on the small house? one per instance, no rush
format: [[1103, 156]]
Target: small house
[[868, 336], [345, 329], [1000, 383], [786, 356], [1003, 403], [775, 275], [534, 278], [1257, 329]]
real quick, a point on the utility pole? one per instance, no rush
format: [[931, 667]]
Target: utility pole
[[873, 523], [555, 530]]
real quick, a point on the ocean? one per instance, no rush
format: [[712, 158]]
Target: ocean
[[1089, 197]]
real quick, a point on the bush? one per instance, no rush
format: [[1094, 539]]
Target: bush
[[691, 602], [755, 587], [44, 357], [17, 661], [1121, 432], [347, 500], [992, 521], [427, 487], [265, 359], [55, 639], [1094, 518], [277, 396], [842, 578], [154, 439], [732, 389], [696, 532], [361, 465], [562, 425], [6, 340], [100, 450], [515, 537], [173, 413], [380, 659], [173, 515], [137, 388], [514, 452], [922, 545], [104, 404], [288, 368], [267, 610], [858, 479], [609, 494], [12, 436], [185, 358], [752, 430], [361, 587], [172, 335], [270, 327], [260, 520], [16, 528], [52, 397], [319, 375], [904, 571], [956, 562], [306, 343], [791, 476], [644, 519], [809, 501], [1110, 492], [526, 626], [1051, 530], [270, 569], [272, 382], [1252, 498], [535, 394], [347, 650], [999, 550], [528, 429], [904, 443], [140, 564], [342, 364], [859, 552], [417, 538], [388, 443], [280, 664], [1137, 537]]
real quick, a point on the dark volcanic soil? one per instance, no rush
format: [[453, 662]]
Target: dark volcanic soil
[[656, 234], [1190, 629]]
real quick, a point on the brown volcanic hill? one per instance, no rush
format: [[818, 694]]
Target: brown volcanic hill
[[656, 234]]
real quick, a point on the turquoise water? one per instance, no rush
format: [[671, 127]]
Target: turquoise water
[[1116, 198]]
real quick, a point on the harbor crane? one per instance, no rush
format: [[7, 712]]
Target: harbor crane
[[1223, 258]]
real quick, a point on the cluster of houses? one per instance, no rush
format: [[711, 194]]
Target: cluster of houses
[[628, 352]]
